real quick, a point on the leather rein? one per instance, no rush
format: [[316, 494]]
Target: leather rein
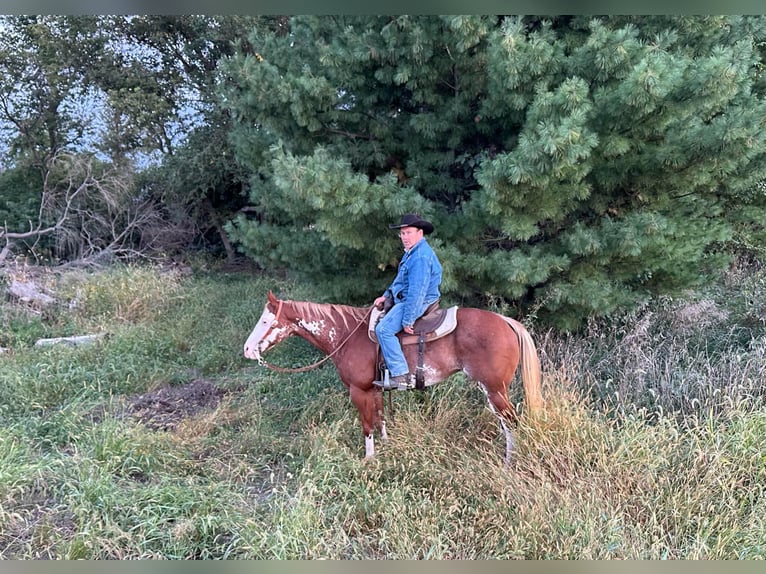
[[318, 363]]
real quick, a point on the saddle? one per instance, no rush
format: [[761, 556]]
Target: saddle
[[434, 324]]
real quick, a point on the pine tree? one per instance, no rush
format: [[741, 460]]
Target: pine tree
[[576, 165]]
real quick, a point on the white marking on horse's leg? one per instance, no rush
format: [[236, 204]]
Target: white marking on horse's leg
[[509, 442], [369, 446], [383, 433], [486, 394]]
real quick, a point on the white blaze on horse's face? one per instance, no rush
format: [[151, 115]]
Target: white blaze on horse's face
[[266, 334]]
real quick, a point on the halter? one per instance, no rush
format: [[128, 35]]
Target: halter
[[318, 363]]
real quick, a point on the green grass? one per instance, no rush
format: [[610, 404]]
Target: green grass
[[653, 443]]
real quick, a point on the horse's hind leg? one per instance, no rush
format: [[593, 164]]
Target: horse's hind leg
[[506, 414]]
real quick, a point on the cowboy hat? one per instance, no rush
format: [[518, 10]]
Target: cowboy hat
[[414, 220]]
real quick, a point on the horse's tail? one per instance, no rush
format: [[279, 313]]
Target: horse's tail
[[531, 375]]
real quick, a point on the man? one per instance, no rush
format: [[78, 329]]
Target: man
[[415, 287]]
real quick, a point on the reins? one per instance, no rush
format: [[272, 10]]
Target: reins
[[318, 363]]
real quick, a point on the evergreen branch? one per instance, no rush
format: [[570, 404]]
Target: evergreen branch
[[350, 134]]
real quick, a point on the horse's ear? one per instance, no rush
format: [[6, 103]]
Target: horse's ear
[[272, 298]]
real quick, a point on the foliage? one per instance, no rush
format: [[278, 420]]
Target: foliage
[[130, 91], [53, 70], [200, 187], [273, 470], [19, 198], [199, 181], [86, 213], [573, 166], [44, 61]]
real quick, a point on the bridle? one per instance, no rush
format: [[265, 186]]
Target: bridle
[[275, 322]]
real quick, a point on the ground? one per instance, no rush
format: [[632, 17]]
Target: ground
[[36, 513], [164, 408]]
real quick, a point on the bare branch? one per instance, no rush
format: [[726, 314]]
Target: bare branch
[[86, 215]]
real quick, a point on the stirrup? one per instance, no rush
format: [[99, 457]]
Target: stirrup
[[390, 384]]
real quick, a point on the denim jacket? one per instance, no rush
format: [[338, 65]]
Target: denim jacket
[[416, 285]]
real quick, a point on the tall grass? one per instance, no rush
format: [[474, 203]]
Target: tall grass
[[653, 443], [705, 353]]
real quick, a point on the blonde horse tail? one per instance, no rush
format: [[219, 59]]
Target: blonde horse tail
[[531, 375]]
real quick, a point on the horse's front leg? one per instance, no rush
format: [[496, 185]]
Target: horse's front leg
[[366, 402], [380, 421]]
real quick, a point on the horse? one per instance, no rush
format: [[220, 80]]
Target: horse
[[486, 346]]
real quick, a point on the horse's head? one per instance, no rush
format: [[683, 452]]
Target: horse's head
[[271, 328]]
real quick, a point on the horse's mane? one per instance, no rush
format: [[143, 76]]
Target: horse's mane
[[345, 315]]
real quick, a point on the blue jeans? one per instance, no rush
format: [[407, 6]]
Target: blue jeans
[[386, 331]]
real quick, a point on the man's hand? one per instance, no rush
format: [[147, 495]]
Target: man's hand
[[408, 329], [378, 303]]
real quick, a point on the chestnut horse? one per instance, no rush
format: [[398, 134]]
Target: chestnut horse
[[486, 346]]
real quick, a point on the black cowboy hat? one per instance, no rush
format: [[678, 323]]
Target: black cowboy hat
[[414, 220]]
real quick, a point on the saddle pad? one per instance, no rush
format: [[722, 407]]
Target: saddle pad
[[446, 327]]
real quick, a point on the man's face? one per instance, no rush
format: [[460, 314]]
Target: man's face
[[410, 236]]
